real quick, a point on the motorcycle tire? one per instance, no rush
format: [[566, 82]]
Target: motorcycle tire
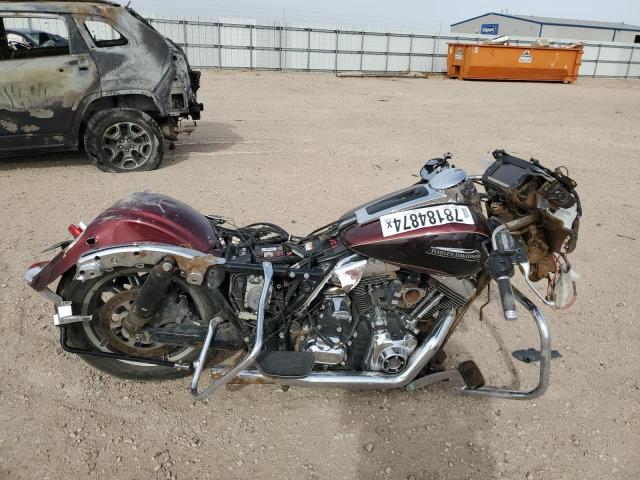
[[85, 335]]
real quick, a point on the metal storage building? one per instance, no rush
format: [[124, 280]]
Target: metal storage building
[[531, 26]]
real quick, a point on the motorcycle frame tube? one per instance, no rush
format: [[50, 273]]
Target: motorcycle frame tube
[[545, 360], [324, 281], [358, 380], [246, 361], [192, 262]]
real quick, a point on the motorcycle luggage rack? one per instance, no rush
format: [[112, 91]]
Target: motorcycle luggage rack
[[116, 356], [247, 360]]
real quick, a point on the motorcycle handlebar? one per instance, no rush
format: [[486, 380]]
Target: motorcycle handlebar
[[505, 252], [506, 298]]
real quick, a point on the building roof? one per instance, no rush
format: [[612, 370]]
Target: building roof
[[565, 22]]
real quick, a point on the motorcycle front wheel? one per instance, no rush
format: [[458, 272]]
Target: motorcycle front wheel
[[109, 298]]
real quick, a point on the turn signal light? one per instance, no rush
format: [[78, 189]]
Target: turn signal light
[[75, 230]]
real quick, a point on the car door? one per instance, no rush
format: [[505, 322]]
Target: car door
[[42, 87]]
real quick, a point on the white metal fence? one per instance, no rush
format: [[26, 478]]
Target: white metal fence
[[234, 43]]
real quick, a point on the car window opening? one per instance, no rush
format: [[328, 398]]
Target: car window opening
[[104, 35], [30, 37]]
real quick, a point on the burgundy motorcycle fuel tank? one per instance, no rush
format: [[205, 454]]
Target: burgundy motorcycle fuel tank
[[444, 239]]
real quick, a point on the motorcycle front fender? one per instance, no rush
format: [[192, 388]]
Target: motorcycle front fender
[[139, 219]]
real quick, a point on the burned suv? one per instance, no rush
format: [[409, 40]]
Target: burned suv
[[92, 74]]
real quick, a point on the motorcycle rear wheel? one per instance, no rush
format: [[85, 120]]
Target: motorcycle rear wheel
[[90, 296]]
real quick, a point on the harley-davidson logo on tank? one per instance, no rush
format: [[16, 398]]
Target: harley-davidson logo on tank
[[467, 254]]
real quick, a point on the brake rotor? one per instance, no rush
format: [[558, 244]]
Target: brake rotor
[[110, 318]]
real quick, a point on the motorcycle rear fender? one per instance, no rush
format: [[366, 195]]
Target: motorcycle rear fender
[[139, 229]]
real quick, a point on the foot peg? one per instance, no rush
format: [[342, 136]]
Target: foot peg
[[471, 374], [285, 364]]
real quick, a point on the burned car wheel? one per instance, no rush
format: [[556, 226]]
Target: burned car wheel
[[123, 140]]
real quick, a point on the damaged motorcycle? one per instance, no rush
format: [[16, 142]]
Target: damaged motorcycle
[[152, 289]]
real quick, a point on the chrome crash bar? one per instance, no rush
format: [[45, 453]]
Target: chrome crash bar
[[417, 362], [246, 361], [545, 360], [242, 374]]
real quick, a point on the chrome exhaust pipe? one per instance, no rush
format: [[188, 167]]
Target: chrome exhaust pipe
[[357, 380]]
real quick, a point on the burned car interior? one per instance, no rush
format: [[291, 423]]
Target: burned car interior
[[19, 39]]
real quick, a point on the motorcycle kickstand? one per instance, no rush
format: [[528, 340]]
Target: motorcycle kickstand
[[247, 360]]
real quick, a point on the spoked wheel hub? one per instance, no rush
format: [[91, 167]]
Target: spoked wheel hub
[[110, 318]]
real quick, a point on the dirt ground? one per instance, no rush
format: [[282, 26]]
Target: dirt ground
[[298, 150]]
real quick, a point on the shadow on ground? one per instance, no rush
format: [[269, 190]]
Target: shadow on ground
[[209, 138], [432, 433], [45, 160]]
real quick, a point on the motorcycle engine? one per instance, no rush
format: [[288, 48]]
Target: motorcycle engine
[[398, 311], [328, 332], [377, 325], [392, 343]]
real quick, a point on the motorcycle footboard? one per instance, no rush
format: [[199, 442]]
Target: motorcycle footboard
[[248, 360], [545, 361]]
